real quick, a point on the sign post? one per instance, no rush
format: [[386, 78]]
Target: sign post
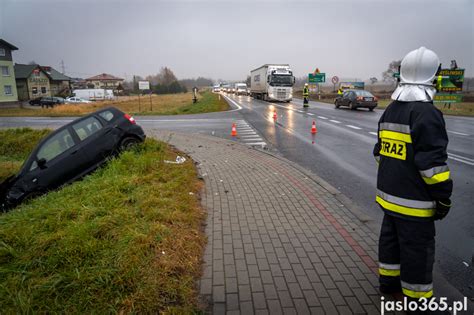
[[334, 81], [317, 78], [144, 85]]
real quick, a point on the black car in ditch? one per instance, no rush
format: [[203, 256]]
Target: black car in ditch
[[355, 99], [71, 152]]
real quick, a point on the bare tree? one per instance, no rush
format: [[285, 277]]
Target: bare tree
[[373, 80], [393, 67]]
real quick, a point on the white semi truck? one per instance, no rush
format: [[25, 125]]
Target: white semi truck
[[272, 82]]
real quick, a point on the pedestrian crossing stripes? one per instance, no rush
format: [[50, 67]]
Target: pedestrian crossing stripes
[[247, 135]]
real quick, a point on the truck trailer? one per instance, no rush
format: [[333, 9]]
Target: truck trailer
[[272, 82]]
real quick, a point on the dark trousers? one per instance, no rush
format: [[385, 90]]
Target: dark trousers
[[305, 100], [410, 245]]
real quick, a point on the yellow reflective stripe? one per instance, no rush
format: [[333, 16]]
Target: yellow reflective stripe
[[414, 212], [417, 294], [437, 178], [389, 273], [395, 135]]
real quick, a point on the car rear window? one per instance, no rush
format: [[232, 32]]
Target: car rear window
[[87, 127], [107, 115], [364, 93]]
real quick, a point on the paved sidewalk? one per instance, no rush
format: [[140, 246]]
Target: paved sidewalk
[[278, 241]]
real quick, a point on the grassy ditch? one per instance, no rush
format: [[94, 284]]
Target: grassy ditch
[[169, 104], [125, 239]]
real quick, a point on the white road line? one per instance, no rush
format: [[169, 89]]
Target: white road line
[[257, 143], [461, 157], [322, 117], [335, 121], [354, 127], [459, 160], [458, 133], [311, 114], [252, 139], [250, 136], [373, 133], [233, 102]]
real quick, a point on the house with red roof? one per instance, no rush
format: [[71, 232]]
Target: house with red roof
[[104, 81]]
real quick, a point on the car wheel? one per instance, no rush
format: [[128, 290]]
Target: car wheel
[[351, 106], [336, 104], [127, 143]]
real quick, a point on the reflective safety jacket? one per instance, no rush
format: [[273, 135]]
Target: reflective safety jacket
[[339, 92], [305, 92], [412, 153]]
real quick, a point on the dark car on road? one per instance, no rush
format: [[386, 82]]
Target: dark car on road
[[46, 101], [356, 98], [71, 152]]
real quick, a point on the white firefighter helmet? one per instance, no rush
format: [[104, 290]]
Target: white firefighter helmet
[[417, 71], [306, 84]]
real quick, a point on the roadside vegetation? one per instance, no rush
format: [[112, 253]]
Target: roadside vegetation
[[134, 245], [167, 104]]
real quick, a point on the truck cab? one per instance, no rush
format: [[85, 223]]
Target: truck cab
[[272, 82]]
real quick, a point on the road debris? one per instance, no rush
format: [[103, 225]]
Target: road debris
[[179, 160]]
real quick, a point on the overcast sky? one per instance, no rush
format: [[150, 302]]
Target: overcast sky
[[226, 39]]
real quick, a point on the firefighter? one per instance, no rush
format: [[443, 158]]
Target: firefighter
[[413, 181], [305, 95], [339, 92]]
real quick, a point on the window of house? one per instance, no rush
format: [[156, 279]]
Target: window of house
[[2, 52], [43, 90], [8, 90], [34, 90], [5, 71]]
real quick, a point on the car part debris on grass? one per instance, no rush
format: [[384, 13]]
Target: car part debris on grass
[[179, 160]]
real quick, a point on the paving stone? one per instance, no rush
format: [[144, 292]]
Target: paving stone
[[273, 243]]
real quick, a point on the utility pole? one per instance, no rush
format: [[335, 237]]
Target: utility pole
[[63, 68]]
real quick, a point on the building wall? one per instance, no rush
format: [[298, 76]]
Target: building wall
[[8, 81], [38, 83], [8, 54], [58, 86]]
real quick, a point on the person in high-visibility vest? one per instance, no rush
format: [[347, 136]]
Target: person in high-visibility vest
[[414, 185], [339, 92], [439, 83], [305, 95]]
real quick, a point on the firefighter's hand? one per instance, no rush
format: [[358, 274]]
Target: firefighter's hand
[[442, 208]]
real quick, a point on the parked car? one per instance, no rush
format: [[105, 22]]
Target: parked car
[[59, 100], [76, 100], [69, 153], [46, 101], [355, 99]]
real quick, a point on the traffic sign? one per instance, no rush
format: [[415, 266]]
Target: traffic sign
[[143, 85], [317, 78], [335, 79]]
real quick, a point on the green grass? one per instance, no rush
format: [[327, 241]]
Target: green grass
[[15, 146], [168, 104], [126, 239]]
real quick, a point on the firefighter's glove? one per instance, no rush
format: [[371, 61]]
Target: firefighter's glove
[[442, 208]]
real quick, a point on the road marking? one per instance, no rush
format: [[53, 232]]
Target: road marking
[[335, 121], [311, 114], [461, 157], [257, 143], [354, 127], [459, 160], [458, 133], [322, 117], [373, 133], [233, 102]]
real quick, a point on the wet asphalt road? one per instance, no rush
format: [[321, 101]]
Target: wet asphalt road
[[340, 153]]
